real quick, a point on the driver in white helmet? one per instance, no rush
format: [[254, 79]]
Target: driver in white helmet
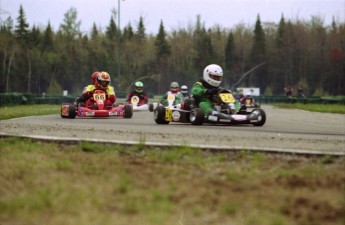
[[204, 90]]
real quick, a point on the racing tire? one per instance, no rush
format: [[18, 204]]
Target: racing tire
[[128, 111], [262, 118], [71, 112], [197, 116], [151, 107], [159, 115]]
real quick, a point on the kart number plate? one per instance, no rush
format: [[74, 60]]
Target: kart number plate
[[99, 96], [227, 97], [168, 114]]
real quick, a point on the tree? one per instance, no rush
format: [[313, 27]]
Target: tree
[[140, 34], [203, 47], [70, 26], [163, 51], [22, 28], [258, 56]]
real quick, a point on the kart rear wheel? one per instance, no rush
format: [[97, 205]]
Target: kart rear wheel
[[159, 115], [262, 118], [197, 116], [151, 107], [128, 111]]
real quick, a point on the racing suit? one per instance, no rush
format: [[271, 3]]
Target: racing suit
[[178, 98], [88, 91], [199, 90], [205, 94], [143, 97]]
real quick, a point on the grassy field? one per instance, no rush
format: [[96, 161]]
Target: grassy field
[[85, 183], [330, 108], [9, 112]]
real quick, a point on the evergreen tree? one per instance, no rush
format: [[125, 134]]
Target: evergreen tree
[[258, 56], [163, 51], [128, 32], [111, 30], [22, 27], [140, 34], [48, 42], [94, 32]]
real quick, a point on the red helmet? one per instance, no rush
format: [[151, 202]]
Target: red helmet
[[103, 80], [93, 77]]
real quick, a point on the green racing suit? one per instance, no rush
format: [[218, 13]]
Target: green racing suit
[[202, 100]]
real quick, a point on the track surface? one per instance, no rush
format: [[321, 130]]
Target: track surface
[[285, 130]]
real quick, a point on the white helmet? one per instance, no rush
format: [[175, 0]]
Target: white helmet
[[213, 75], [184, 89]]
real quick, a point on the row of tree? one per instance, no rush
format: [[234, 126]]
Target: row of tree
[[269, 56]]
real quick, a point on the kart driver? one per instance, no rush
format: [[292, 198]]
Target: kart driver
[[139, 91], [206, 88], [174, 90], [102, 82]]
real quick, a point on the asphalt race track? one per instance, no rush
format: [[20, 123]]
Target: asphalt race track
[[286, 130]]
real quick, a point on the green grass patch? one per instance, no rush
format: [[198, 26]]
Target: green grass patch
[[89, 183], [9, 112], [325, 108]]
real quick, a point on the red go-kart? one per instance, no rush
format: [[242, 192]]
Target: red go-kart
[[98, 109]]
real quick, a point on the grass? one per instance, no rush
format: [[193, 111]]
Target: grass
[[9, 112], [325, 108], [112, 184]]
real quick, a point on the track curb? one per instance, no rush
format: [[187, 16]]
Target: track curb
[[169, 145]]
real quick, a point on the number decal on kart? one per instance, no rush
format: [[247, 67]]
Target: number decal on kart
[[171, 98], [99, 96], [227, 97], [168, 114]]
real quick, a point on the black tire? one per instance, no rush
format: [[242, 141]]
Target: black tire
[[128, 111], [151, 107], [197, 116], [71, 112], [159, 115], [262, 118]]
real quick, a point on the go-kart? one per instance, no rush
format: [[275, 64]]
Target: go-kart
[[170, 103], [190, 113], [98, 109], [135, 101]]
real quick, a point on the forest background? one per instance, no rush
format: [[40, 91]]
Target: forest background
[[268, 56]]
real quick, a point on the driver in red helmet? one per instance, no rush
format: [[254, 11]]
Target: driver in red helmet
[[101, 82]]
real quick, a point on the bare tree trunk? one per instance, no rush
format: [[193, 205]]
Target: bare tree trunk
[[9, 70], [4, 63], [29, 72]]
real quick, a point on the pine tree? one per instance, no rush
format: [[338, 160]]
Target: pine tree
[[22, 28], [163, 51]]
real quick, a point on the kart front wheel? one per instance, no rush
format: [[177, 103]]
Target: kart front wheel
[[159, 115], [197, 116], [128, 111], [261, 119], [71, 114]]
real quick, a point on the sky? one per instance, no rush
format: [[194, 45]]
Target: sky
[[175, 14]]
